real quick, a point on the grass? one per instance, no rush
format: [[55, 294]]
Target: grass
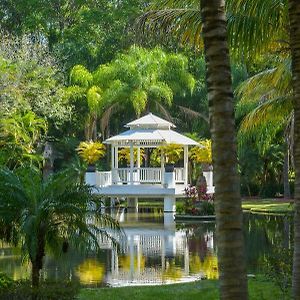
[[268, 206], [275, 206], [259, 289]]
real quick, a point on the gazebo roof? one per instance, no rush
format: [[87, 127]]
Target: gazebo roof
[[150, 131], [150, 121]]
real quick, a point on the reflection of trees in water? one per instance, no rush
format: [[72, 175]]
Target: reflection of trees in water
[[207, 266], [90, 271], [171, 270], [138, 262], [264, 234], [198, 236]]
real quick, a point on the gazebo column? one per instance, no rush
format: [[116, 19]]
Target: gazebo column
[[113, 173], [162, 165], [116, 157], [138, 163], [185, 164], [131, 163]]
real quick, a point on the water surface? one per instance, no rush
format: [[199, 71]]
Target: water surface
[[155, 250]]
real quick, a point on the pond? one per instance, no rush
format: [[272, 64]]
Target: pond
[[156, 250]]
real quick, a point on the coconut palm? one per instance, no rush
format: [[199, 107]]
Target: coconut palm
[[187, 23], [294, 13], [249, 33], [231, 251], [265, 106], [51, 215]]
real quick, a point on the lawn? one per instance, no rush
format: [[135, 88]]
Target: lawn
[[259, 289], [271, 206], [275, 206]]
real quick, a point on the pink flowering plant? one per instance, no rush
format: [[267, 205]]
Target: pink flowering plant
[[198, 202]]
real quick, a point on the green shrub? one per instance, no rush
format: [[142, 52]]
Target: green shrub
[[5, 282], [22, 290], [207, 208], [180, 208]]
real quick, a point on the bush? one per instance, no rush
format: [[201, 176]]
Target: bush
[[22, 290], [198, 202], [5, 282], [207, 208]]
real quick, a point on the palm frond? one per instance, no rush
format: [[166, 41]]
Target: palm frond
[[268, 84], [190, 113], [252, 33], [183, 23], [81, 76]]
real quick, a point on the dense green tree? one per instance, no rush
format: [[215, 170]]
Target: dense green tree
[[79, 32], [30, 80], [54, 214]]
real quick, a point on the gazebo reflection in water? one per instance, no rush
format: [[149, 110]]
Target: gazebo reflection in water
[[159, 254]]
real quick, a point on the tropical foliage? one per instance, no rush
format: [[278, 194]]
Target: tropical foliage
[[137, 81], [91, 152], [124, 155], [172, 153], [202, 153], [43, 217], [20, 135]]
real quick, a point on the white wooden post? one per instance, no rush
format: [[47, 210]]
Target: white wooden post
[[112, 164], [138, 163], [185, 164], [116, 157], [162, 164], [131, 163]]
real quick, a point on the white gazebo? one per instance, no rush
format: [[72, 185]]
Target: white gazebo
[[138, 180]]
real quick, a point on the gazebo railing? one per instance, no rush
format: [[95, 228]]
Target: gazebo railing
[[179, 175], [149, 175], [103, 179], [140, 175]]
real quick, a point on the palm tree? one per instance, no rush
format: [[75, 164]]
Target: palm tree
[[187, 23], [249, 33], [265, 106], [83, 86], [294, 13], [143, 80], [50, 215], [231, 249], [139, 80]]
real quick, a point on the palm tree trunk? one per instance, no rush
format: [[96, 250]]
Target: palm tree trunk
[[37, 260], [35, 274], [294, 14], [230, 241], [286, 167]]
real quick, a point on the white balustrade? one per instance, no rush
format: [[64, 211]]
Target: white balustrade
[[149, 175], [121, 175], [179, 175], [140, 175], [103, 178]]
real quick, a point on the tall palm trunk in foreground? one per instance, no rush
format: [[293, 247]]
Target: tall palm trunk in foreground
[[231, 251], [294, 14]]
